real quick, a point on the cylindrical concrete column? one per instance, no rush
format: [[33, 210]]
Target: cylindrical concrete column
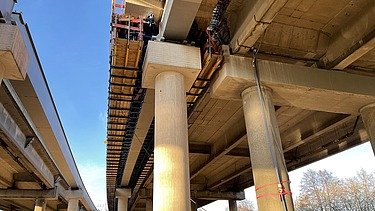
[[232, 205], [264, 149], [171, 158], [73, 204], [148, 204], [40, 204], [122, 203], [368, 118]]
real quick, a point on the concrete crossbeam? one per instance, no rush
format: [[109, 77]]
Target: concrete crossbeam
[[204, 194], [14, 56], [294, 85], [218, 195], [164, 57]]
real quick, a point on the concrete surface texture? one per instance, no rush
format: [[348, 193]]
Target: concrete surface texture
[[171, 171], [267, 157]]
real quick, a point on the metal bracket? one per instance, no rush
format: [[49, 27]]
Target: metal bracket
[[29, 140]]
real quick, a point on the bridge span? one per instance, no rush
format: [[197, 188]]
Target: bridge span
[[37, 168]]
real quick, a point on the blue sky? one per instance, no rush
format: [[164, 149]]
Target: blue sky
[[72, 40]]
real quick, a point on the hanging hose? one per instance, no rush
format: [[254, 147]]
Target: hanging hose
[[218, 30], [270, 134]]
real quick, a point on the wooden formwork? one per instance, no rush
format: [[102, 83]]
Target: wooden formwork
[[126, 53], [211, 62]]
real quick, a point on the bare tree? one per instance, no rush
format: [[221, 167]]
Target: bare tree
[[245, 205], [322, 191]]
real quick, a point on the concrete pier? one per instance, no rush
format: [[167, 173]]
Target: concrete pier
[[232, 205], [171, 168], [265, 149], [73, 204], [40, 204], [368, 118], [171, 69], [123, 195]]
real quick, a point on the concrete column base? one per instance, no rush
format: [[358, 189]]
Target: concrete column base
[[73, 205], [40, 204], [265, 150], [368, 118]]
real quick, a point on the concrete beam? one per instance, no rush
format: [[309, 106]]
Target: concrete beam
[[14, 56], [143, 124], [226, 179], [198, 148], [17, 140], [252, 21], [51, 194], [205, 149], [293, 85], [219, 154], [149, 3], [339, 122], [209, 195], [23, 177], [143, 8], [177, 18], [353, 41], [218, 195]]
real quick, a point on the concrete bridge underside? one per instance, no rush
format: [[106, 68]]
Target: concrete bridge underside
[[316, 58]]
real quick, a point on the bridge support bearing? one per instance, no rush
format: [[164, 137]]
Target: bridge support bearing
[[73, 204], [265, 149], [40, 204], [232, 205], [368, 118]]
